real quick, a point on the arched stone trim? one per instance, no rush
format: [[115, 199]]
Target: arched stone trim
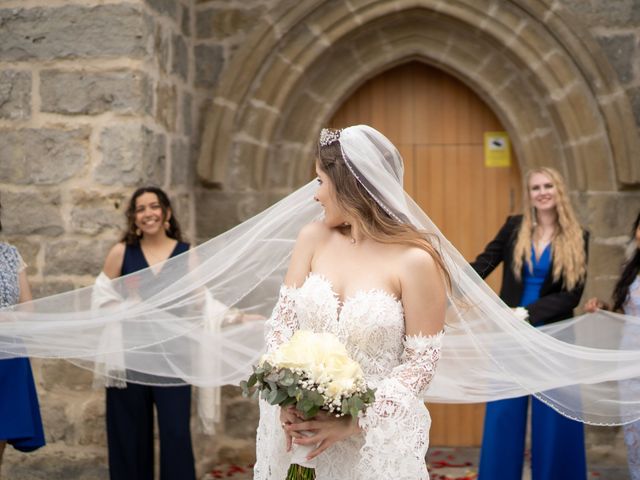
[[543, 76]]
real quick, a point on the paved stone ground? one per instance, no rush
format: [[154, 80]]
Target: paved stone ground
[[444, 464]]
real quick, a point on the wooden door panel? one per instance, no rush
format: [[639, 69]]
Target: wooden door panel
[[438, 125]]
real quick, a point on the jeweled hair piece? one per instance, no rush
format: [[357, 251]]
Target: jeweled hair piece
[[329, 136]]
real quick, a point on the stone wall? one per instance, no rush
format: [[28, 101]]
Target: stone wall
[[100, 96], [96, 99], [609, 214]]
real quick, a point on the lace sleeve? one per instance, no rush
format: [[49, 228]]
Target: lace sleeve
[[397, 421], [283, 321]]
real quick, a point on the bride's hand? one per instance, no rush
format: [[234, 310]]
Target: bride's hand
[[326, 430], [289, 415]]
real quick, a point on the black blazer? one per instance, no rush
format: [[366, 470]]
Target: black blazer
[[555, 302]]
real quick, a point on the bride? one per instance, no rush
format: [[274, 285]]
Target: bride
[[380, 286]]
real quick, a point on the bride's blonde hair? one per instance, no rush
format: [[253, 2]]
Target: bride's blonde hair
[[569, 256], [372, 220]]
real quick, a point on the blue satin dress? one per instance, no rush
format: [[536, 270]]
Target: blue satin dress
[[20, 422], [557, 443]]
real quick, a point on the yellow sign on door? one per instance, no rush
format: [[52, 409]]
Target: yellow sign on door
[[497, 149]]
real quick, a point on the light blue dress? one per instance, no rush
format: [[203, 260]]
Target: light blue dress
[[20, 422]]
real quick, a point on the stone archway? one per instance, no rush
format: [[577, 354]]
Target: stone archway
[[546, 80]]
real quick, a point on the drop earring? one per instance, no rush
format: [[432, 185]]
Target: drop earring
[[534, 217]]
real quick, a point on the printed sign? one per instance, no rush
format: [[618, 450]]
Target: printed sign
[[497, 149]]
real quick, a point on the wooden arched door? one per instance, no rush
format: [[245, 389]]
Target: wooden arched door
[[438, 124]]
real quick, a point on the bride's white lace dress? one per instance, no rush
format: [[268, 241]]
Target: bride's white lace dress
[[395, 429]]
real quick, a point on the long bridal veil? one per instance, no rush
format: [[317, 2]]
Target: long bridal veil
[[176, 323]]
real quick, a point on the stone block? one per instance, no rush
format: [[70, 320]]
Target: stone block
[[166, 105], [209, 63], [56, 465], [222, 23], [94, 212], [180, 57], [48, 287], [187, 121], [90, 425], [59, 375], [15, 95], [634, 94], [605, 259], [605, 13], [75, 257], [91, 93], [225, 210], [182, 208], [230, 392], [182, 164], [241, 419], [53, 411], [131, 155], [605, 445], [42, 156], [73, 31], [26, 213], [165, 7], [161, 48], [619, 49], [608, 215], [185, 23]]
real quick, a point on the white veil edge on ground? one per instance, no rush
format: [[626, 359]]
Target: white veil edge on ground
[[168, 325]]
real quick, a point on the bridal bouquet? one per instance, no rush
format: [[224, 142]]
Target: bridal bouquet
[[313, 372]]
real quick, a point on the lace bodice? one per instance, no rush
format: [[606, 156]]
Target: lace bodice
[[370, 323], [395, 428], [10, 266]]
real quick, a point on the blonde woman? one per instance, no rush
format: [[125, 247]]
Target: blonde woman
[[544, 252]]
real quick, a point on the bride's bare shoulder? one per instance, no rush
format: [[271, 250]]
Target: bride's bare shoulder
[[416, 261], [309, 237], [314, 233]]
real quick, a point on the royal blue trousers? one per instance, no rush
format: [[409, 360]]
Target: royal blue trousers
[[557, 443]]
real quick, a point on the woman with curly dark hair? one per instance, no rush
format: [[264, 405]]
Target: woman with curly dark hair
[[153, 236]]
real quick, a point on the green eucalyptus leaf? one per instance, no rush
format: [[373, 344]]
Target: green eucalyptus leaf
[[287, 381], [312, 412], [281, 395], [316, 398], [244, 387], [271, 397]]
